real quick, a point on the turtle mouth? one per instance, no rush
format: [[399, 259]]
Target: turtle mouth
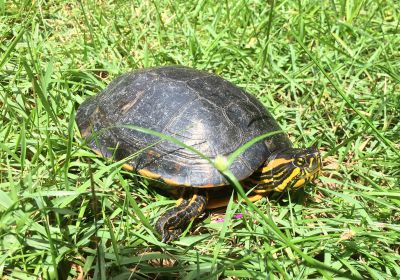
[[308, 177], [311, 170], [315, 164]]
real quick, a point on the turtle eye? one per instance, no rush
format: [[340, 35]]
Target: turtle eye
[[300, 161]]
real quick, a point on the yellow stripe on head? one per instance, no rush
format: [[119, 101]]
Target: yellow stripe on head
[[265, 181], [280, 174], [274, 163], [299, 183], [273, 174], [282, 186], [262, 191], [290, 168]]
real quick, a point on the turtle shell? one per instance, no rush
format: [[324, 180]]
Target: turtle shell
[[200, 109]]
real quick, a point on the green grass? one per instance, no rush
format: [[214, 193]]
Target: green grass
[[328, 71]]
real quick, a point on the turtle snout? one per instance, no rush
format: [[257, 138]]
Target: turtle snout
[[314, 164]]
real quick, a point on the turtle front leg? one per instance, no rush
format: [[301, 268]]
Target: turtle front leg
[[188, 207]]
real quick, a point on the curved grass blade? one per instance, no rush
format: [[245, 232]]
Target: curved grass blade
[[379, 135], [244, 147], [167, 138], [11, 47], [38, 90], [137, 209], [321, 267]]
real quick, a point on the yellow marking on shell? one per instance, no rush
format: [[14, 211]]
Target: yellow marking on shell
[[148, 174], [127, 167], [274, 163], [285, 182], [210, 186], [172, 182]]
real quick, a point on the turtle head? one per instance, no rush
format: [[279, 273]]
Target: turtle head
[[290, 168]]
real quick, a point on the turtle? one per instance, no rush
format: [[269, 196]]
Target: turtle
[[203, 111]]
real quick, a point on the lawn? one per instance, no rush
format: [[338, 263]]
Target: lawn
[[328, 70]]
